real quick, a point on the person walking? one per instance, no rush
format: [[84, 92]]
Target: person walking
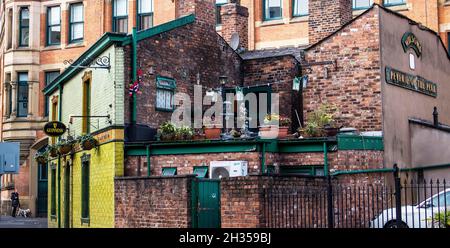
[[15, 202]]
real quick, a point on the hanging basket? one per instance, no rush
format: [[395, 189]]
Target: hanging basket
[[88, 144], [53, 152], [41, 159], [65, 149]]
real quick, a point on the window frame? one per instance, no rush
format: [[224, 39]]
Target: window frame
[[85, 188], [218, 16], [72, 23], [117, 18], [363, 7], [203, 175], [53, 190], [22, 83], [293, 9], [170, 89], [47, 98], [393, 4], [21, 27], [48, 26], [171, 170], [143, 14], [448, 43], [272, 19]]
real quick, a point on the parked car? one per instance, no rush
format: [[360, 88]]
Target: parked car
[[418, 216]]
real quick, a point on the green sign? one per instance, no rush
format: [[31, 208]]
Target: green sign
[[54, 128], [411, 82], [409, 40]]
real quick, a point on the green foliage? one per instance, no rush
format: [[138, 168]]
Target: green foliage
[[167, 128], [320, 118], [168, 131], [442, 219], [41, 154], [86, 137]]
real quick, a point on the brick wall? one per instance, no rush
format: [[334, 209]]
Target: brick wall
[[153, 202], [280, 72], [327, 16], [340, 160], [355, 86], [235, 20], [203, 52]]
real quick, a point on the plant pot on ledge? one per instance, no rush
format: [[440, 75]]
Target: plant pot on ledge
[[213, 132], [269, 131]]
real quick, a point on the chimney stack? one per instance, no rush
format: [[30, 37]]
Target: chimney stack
[[327, 16], [204, 11], [235, 21]]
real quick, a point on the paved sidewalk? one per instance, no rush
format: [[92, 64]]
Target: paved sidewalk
[[20, 222]]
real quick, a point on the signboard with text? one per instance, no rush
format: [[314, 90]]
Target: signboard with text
[[411, 82]]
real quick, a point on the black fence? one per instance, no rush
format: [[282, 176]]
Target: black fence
[[414, 204]]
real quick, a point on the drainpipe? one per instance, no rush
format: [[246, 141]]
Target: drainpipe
[[148, 161], [263, 158], [59, 159], [134, 68], [325, 159]]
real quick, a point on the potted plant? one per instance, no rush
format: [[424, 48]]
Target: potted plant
[[167, 131], [283, 130], [212, 131], [187, 133], [198, 134], [320, 122], [87, 142], [65, 146], [52, 150], [270, 129], [235, 134], [41, 157]]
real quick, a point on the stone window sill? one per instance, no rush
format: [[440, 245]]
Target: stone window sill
[[299, 19], [53, 217], [75, 45], [271, 23], [50, 48], [399, 7], [85, 221]]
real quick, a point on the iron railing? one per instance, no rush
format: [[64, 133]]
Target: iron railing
[[412, 204]]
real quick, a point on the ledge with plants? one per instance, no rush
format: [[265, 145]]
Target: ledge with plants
[[275, 126], [320, 123]]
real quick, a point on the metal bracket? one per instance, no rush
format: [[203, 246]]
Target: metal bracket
[[308, 66], [103, 62]]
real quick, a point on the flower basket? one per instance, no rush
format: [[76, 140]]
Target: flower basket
[[41, 159], [88, 144], [53, 152], [213, 132], [65, 149]]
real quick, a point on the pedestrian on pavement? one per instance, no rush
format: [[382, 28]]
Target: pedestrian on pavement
[[15, 202]]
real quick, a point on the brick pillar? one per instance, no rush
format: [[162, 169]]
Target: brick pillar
[[235, 20], [327, 16], [204, 10]]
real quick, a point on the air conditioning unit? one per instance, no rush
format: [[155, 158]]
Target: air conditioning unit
[[223, 169]]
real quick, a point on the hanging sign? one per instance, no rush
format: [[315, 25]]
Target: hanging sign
[[239, 94], [55, 128], [411, 82], [409, 40], [296, 84]]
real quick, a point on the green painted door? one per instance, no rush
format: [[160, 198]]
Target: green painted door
[[67, 196], [42, 190], [208, 203]]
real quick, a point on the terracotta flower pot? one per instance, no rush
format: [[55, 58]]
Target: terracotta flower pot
[[283, 132], [167, 137], [213, 133], [199, 137], [331, 131]]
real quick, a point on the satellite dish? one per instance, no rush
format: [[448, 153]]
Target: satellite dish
[[234, 43], [220, 172]]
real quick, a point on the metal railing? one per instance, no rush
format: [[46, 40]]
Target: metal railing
[[413, 204]]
